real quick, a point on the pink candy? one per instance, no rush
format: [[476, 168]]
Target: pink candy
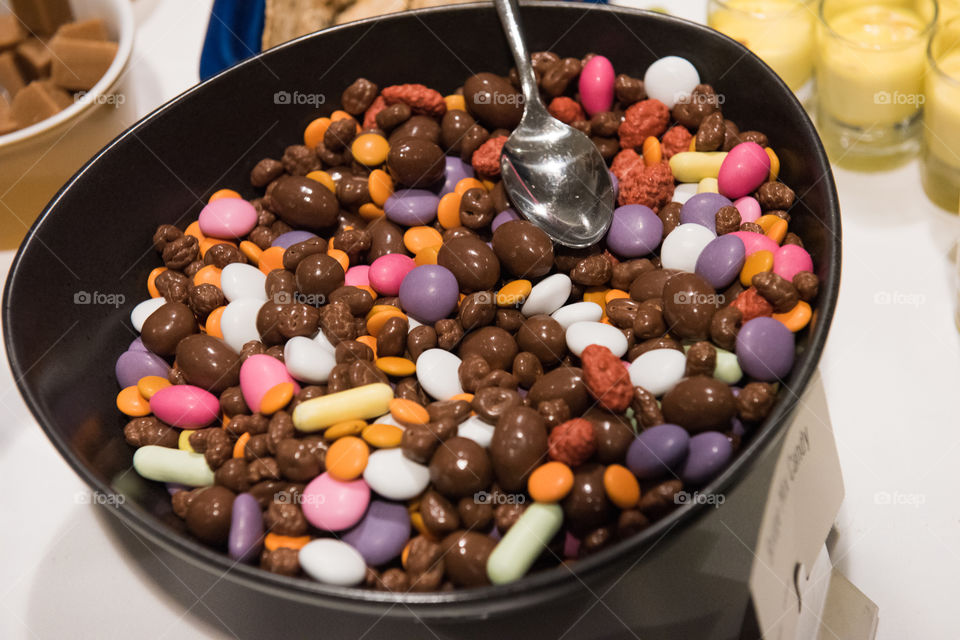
[[387, 272], [745, 168], [789, 260], [185, 406], [749, 209], [357, 276], [228, 218], [258, 374], [333, 505], [596, 85], [754, 242]]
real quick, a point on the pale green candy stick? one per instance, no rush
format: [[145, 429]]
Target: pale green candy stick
[[694, 166], [172, 465], [727, 369], [524, 542]]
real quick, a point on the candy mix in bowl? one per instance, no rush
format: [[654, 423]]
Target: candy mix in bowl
[[378, 375]]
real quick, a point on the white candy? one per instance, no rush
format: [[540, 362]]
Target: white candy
[[239, 322], [307, 360], [412, 324], [578, 312], [240, 281], [332, 562], [684, 191], [581, 335], [548, 295], [473, 428], [659, 370], [669, 79], [683, 246], [164, 464], [322, 340], [438, 372], [388, 419], [142, 311], [395, 476]]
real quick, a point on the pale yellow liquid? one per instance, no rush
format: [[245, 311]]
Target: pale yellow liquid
[[942, 111], [871, 75], [779, 31]]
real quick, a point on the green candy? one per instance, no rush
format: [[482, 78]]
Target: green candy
[[727, 369], [524, 542], [172, 465]]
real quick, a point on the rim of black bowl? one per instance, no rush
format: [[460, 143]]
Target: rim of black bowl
[[534, 587]]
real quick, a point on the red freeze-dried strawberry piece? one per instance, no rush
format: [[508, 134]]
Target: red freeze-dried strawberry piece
[[675, 140], [566, 110], [606, 378], [486, 159], [370, 115], [652, 186], [573, 442], [421, 99], [642, 120], [752, 305], [624, 162]]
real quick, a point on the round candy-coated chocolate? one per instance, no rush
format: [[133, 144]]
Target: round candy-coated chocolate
[[503, 217], [386, 273], [429, 292], [133, 365], [596, 85], [411, 207], [472, 262], [721, 260], [290, 238], [744, 169], [635, 231], [702, 209], [382, 534], [657, 450], [708, 454], [455, 170], [227, 218], [765, 349]]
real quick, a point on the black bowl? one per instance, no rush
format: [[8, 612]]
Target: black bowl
[[683, 575]]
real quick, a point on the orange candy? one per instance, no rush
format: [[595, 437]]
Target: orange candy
[[276, 398], [193, 229], [313, 134], [131, 403], [773, 226], [408, 412], [149, 385], [273, 541], [240, 446], [397, 367], [615, 294], [207, 275], [207, 243], [344, 429], [514, 293], [426, 256], [251, 251], [797, 318], [370, 211], [466, 397], [382, 435], [375, 321], [223, 193], [370, 149], [341, 257], [652, 152], [455, 102], [340, 114], [418, 238], [448, 211], [212, 325], [371, 342], [774, 164], [380, 185], [755, 263], [271, 259], [466, 184], [152, 282], [621, 486], [323, 178], [347, 458], [550, 482]]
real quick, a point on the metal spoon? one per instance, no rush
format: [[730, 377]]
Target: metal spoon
[[553, 174]]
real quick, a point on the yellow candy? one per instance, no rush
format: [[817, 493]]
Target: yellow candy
[[708, 185], [455, 103], [596, 295], [370, 149], [774, 164], [344, 429], [183, 442], [149, 385], [323, 178], [513, 293], [359, 403], [694, 166], [756, 263], [394, 366], [382, 436], [380, 185]]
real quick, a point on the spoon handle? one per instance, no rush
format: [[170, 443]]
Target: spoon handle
[[509, 13]]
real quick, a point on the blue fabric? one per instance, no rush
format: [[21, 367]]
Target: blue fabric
[[233, 34]]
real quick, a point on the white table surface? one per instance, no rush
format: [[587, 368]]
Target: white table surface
[[891, 370]]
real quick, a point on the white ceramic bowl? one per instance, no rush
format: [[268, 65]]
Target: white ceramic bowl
[[118, 17]]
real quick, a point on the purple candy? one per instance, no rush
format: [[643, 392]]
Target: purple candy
[[456, 171], [412, 207], [765, 349], [429, 293], [702, 209], [635, 231], [137, 345], [721, 260], [290, 238], [504, 216], [133, 365], [709, 453], [246, 529], [382, 534], [657, 450]]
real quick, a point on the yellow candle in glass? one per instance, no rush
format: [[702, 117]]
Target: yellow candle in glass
[[940, 164], [779, 31], [870, 65]]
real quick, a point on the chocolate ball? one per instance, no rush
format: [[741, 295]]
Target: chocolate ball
[[586, 506], [700, 404], [518, 446], [208, 516], [318, 275], [649, 284], [421, 127], [465, 557], [613, 434], [493, 344], [525, 249], [302, 202], [164, 328], [208, 362], [454, 125], [472, 262], [493, 101], [689, 303], [415, 162], [460, 467], [544, 337], [385, 237], [564, 383]]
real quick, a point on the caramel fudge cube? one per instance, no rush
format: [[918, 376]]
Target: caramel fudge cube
[[38, 101], [78, 64], [10, 77], [42, 17], [11, 31], [34, 57], [7, 123], [93, 29]]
